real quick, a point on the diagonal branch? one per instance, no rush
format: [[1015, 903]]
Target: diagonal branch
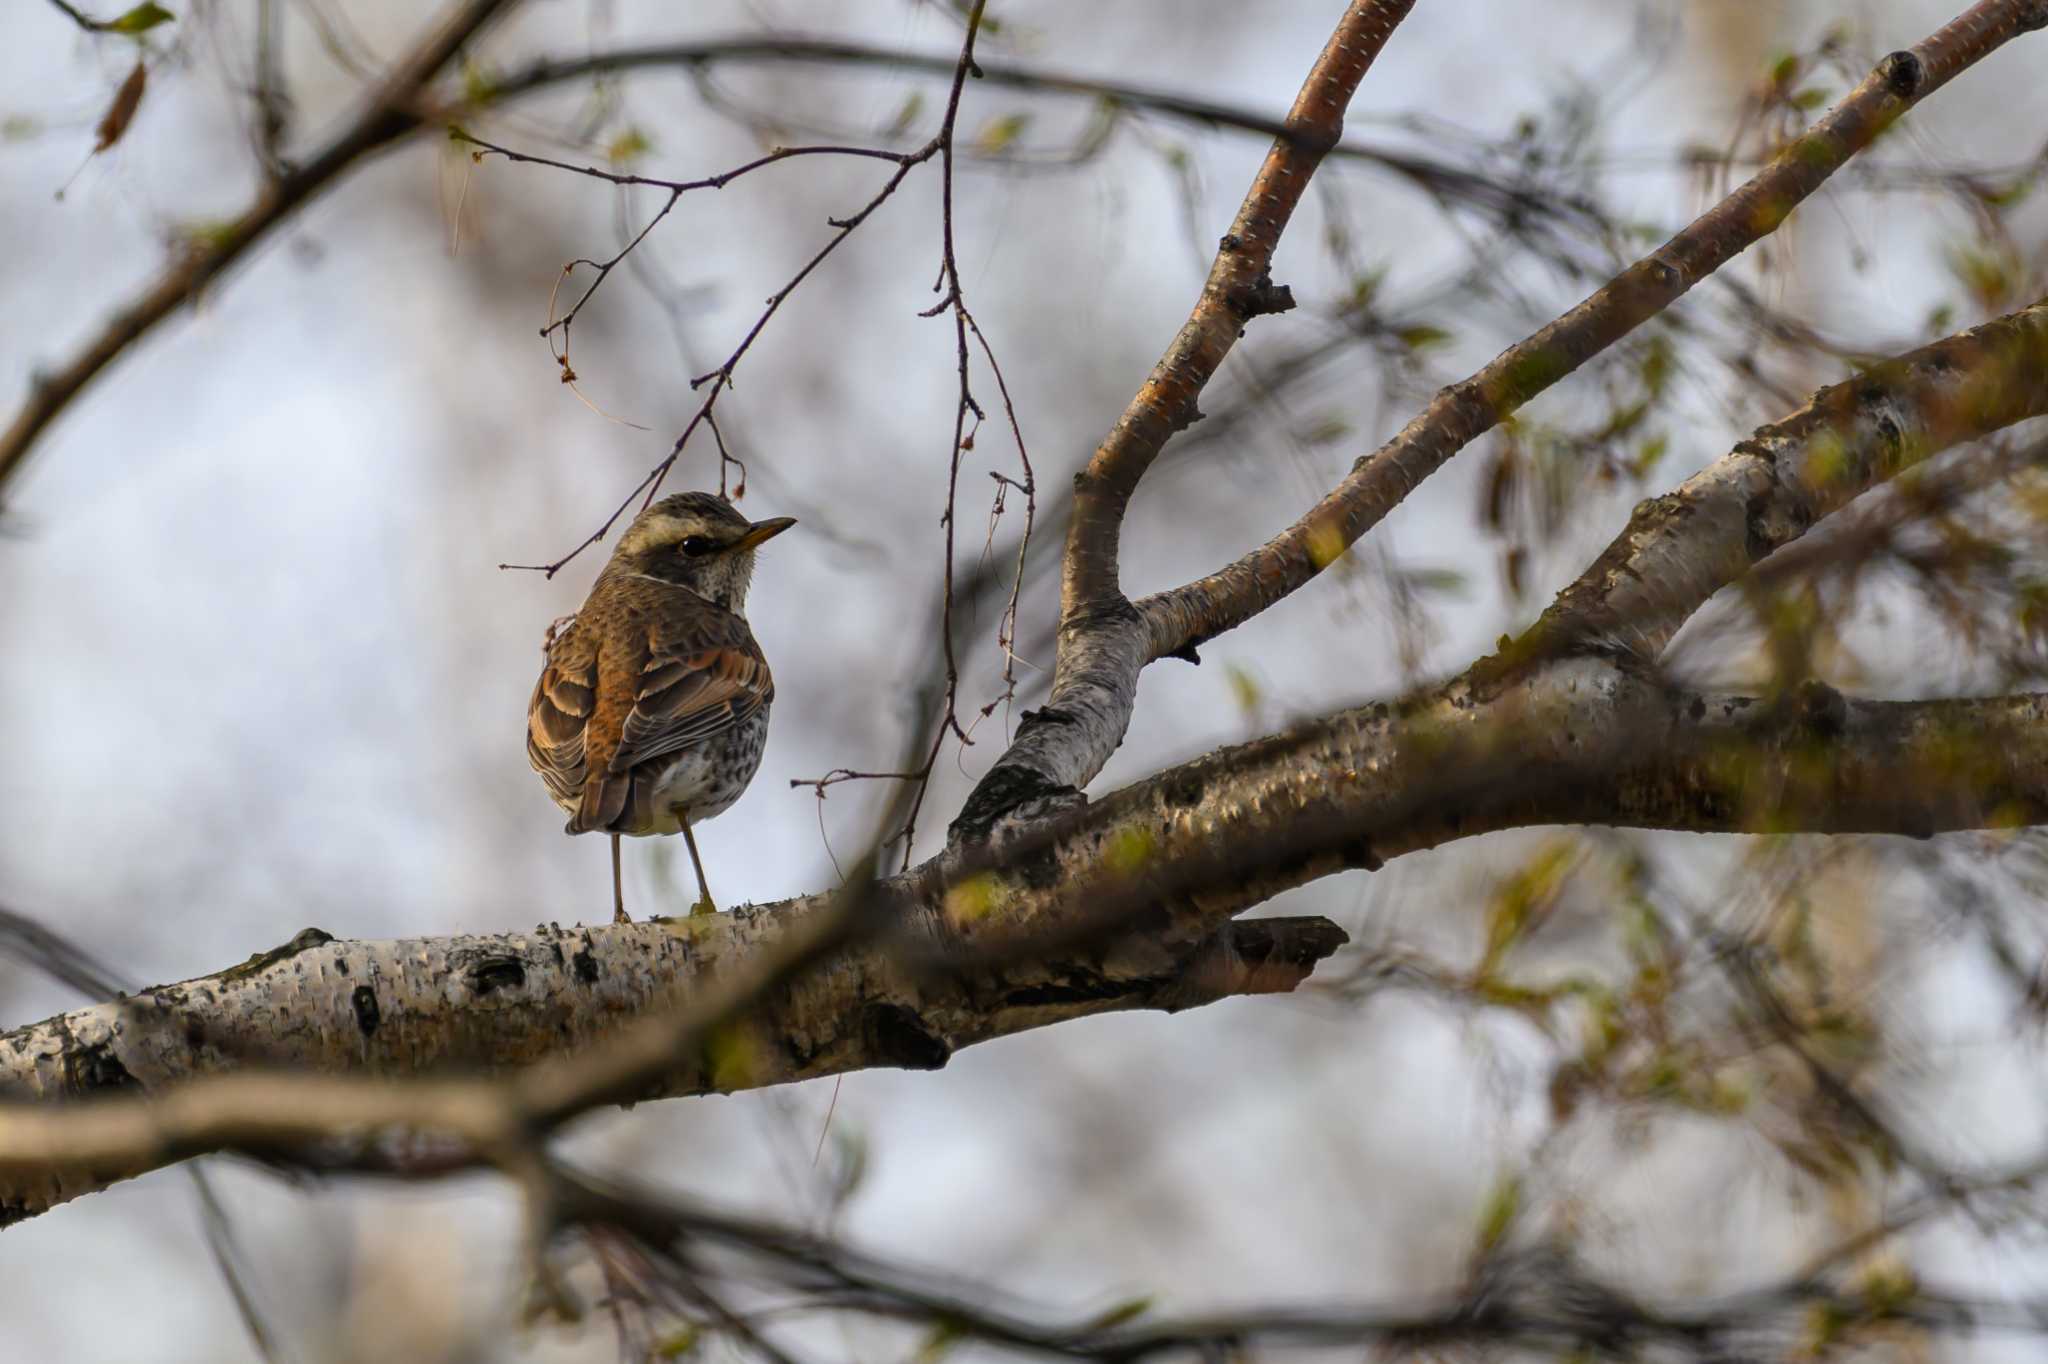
[[1681, 548], [1060, 747], [388, 114], [1238, 289], [1464, 411]]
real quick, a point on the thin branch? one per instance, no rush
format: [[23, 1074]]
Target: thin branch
[[720, 378], [79, 17], [1238, 289], [1523, 1299], [558, 326], [403, 106], [1447, 183], [273, 100], [1462, 412], [388, 114]]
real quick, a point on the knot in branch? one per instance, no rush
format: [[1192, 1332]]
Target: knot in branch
[[1262, 297], [1902, 73]]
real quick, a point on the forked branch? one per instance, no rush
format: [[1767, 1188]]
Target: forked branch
[[1102, 645]]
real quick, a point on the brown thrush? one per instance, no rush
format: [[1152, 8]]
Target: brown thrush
[[652, 706]]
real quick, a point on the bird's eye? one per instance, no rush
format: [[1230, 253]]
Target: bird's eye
[[695, 545]]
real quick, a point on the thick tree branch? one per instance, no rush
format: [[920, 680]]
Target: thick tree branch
[[1681, 548], [538, 1007], [1102, 641], [1464, 411], [1117, 905]]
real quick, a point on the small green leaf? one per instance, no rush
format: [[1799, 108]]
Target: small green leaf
[[1121, 1314], [679, 1343], [974, 898], [1130, 851], [1244, 688], [1647, 456], [906, 115], [206, 234], [997, 137], [1499, 1214], [629, 146], [1658, 362], [940, 1342], [1422, 336], [1325, 431], [141, 19], [479, 84]]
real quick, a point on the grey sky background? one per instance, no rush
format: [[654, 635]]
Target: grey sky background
[[259, 670]]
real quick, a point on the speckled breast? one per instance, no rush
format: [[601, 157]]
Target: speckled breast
[[705, 781]]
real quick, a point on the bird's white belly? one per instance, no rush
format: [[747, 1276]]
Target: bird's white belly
[[704, 782]]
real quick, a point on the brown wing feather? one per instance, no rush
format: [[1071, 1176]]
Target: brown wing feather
[[559, 714], [684, 701], [641, 682]]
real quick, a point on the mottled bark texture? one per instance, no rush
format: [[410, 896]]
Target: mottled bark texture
[[1103, 643], [1681, 548], [492, 1005], [1127, 903]]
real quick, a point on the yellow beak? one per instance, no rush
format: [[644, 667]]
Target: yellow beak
[[764, 530]]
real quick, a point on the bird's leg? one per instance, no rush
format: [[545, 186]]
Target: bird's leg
[[619, 915], [703, 905]]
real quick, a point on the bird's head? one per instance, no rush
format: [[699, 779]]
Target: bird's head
[[698, 540]]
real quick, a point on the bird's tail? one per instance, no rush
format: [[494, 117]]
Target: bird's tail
[[604, 799]]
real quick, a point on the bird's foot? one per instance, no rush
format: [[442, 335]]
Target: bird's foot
[[619, 916], [703, 907]]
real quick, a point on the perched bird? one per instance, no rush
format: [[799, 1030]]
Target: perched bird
[[652, 705]]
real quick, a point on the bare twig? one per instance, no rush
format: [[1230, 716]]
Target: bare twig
[[720, 378], [79, 17]]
